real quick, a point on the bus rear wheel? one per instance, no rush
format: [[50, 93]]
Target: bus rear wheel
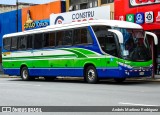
[[25, 74], [91, 75]]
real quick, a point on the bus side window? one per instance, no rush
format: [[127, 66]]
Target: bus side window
[[38, 41], [14, 43], [82, 36], [7, 43], [29, 41], [111, 44], [89, 38], [49, 39], [67, 40], [52, 38], [59, 38], [46, 40], [22, 42], [77, 36]]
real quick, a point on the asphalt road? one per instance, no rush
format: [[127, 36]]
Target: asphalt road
[[15, 92]]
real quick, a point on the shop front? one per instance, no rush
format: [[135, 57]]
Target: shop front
[[147, 14]]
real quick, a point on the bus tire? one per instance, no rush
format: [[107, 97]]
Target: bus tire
[[119, 80], [25, 74], [91, 75]]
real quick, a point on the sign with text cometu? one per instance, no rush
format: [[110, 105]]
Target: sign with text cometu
[[81, 15]]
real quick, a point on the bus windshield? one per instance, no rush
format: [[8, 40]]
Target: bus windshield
[[135, 46]]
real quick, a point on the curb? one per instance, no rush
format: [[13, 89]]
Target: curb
[[73, 78], [7, 76], [151, 79]]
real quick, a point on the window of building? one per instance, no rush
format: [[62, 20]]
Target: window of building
[[38, 41], [90, 5], [77, 7], [106, 1], [83, 6], [7, 43], [93, 3]]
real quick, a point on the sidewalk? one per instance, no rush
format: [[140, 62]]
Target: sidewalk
[[6, 76], [156, 78]]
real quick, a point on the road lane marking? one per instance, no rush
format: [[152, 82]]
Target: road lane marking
[[135, 104], [18, 84]]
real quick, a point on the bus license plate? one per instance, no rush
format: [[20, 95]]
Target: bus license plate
[[141, 73]]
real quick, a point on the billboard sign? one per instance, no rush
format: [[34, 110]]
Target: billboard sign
[[133, 3], [151, 13], [31, 24], [81, 15]]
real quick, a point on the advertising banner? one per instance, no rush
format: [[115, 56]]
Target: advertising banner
[[38, 16], [143, 12], [81, 15], [134, 3]]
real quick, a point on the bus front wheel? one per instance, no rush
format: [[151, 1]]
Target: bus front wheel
[[25, 74], [91, 74]]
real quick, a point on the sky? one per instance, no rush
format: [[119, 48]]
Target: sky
[[13, 2]]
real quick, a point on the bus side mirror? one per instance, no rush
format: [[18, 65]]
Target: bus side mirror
[[154, 36], [118, 33]]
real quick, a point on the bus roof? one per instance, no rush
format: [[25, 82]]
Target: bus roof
[[112, 23]]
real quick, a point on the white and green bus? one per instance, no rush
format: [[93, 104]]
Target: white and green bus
[[94, 49]]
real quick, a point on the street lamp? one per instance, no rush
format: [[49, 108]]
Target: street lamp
[[17, 15]]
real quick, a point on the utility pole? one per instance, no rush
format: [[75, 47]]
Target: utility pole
[[17, 15]]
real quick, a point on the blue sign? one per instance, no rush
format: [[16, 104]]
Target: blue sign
[[140, 18]]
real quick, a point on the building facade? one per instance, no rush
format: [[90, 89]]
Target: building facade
[[73, 5], [6, 8]]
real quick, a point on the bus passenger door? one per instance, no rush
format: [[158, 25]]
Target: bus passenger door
[[109, 45]]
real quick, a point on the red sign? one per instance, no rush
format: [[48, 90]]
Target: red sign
[[134, 3], [126, 7]]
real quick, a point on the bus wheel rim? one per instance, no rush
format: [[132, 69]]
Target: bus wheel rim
[[25, 74], [91, 74]]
